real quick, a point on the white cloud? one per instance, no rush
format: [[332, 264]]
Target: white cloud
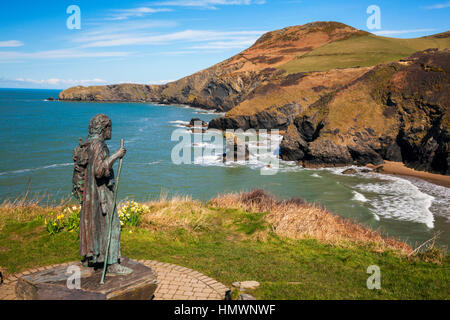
[[181, 36], [124, 14], [90, 43], [160, 81], [128, 25], [122, 29], [56, 81], [10, 43], [232, 44], [65, 83], [392, 32], [58, 54], [439, 6], [209, 4], [50, 83]]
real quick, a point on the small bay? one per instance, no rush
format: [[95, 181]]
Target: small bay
[[38, 137]]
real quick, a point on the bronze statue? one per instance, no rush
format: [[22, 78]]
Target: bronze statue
[[93, 185]]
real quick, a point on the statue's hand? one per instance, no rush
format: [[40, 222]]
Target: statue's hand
[[121, 152]]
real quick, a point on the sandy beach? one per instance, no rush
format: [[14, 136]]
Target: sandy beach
[[398, 168]]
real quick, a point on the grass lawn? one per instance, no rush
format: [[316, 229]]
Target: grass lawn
[[235, 245]]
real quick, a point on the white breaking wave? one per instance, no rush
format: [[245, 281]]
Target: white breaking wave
[[399, 199], [203, 145], [220, 114], [393, 197], [266, 155], [56, 165], [359, 197], [155, 162], [440, 205], [396, 198], [179, 122]]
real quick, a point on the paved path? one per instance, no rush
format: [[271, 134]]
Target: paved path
[[174, 283]]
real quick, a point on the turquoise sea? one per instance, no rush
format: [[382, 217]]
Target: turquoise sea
[[38, 136]]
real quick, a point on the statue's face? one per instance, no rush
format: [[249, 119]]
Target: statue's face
[[108, 131]]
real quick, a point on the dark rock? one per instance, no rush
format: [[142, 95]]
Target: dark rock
[[431, 152], [224, 123], [50, 99], [272, 118], [308, 127], [236, 150], [365, 171], [393, 152], [363, 154], [349, 171], [379, 169], [197, 120], [326, 152], [293, 147]]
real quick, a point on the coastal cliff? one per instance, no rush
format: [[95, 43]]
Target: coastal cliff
[[226, 84], [397, 112], [341, 95]]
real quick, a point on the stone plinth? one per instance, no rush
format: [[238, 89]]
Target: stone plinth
[[51, 284]]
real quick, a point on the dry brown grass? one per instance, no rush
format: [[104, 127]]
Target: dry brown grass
[[296, 219], [27, 208], [178, 211], [293, 218]]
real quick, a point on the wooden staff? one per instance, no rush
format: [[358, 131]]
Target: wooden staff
[[113, 208]]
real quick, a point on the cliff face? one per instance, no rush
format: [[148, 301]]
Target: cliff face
[[397, 111], [271, 118], [212, 88], [119, 92], [342, 96]]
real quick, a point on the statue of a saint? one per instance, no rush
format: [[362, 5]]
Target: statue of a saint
[[93, 183]]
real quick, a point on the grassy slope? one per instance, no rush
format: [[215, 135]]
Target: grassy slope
[[361, 51], [302, 92], [234, 245]]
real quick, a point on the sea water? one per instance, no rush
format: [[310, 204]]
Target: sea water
[[38, 136]]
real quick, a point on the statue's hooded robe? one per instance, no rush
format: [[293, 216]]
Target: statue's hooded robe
[[96, 206]]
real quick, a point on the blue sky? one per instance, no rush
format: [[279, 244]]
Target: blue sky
[[164, 40]]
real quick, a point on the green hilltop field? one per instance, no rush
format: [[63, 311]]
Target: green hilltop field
[[362, 51]]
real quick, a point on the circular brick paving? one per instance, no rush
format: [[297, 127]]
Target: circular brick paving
[[174, 283]]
